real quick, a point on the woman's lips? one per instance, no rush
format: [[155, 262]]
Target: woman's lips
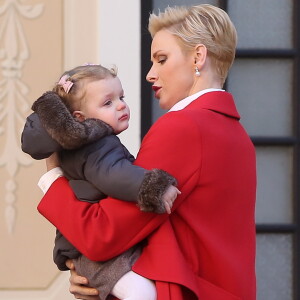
[[156, 90]]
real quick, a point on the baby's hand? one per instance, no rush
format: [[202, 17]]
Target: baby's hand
[[169, 197]]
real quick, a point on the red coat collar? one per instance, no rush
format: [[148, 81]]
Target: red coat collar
[[220, 102]]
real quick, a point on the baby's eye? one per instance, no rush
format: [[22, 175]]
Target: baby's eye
[[122, 98], [108, 102]]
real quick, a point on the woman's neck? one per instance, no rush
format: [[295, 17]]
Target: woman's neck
[[208, 79], [201, 84]]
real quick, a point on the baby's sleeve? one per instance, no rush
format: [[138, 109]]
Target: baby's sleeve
[[113, 173]]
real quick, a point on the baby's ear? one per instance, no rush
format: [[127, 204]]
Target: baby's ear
[[78, 115]]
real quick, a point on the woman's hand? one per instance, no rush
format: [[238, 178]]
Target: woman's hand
[[52, 161], [79, 285]]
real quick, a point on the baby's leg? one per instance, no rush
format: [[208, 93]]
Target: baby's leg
[[132, 286]]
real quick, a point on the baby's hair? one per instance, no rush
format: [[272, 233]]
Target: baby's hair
[[78, 78]]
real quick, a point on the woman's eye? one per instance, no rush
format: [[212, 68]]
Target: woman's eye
[[161, 59]]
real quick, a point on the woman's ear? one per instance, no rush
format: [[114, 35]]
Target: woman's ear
[[200, 55], [78, 115]]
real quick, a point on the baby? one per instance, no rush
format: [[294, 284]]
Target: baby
[[79, 120]]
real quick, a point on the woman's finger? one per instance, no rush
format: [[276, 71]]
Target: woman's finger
[[75, 279], [83, 292], [70, 265], [78, 285]]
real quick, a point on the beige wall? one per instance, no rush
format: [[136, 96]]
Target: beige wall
[[38, 40], [119, 43], [28, 67]]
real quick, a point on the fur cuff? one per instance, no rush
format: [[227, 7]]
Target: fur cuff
[[153, 187], [63, 127]]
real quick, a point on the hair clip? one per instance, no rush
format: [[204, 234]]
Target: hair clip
[[89, 64], [66, 84]]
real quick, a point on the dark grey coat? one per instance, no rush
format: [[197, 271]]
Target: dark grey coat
[[96, 164]]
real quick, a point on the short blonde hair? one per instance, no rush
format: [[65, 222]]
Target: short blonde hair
[[201, 24], [79, 76]]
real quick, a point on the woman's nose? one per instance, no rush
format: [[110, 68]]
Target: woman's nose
[[151, 76]]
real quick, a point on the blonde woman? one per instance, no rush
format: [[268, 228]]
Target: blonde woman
[[205, 249]]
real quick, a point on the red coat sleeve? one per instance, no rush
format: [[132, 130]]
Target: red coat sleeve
[[101, 231]]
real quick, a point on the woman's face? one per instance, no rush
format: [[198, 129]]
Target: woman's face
[[173, 71]]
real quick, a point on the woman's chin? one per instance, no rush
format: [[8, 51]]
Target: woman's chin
[[163, 105]]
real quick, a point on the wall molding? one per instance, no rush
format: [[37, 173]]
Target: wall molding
[[14, 51], [58, 290]]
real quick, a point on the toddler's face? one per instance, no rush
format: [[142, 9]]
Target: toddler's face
[[104, 100]]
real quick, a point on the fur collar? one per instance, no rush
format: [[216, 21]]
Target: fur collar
[[63, 127]]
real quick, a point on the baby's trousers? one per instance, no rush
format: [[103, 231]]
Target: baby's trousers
[[115, 276]]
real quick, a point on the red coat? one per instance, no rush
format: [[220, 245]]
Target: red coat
[[206, 248]]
